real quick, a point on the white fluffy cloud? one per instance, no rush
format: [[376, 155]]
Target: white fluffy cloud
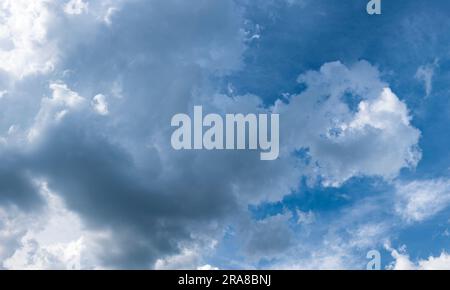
[[419, 200], [24, 45], [31, 41], [375, 138], [349, 123], [402, 261], [11, 232]]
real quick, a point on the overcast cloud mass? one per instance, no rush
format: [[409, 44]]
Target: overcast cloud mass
[[89, 179]]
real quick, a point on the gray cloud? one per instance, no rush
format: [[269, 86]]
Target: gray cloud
[[95, 163], [16, 187]]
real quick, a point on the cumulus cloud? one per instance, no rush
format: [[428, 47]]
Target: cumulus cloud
[[151, 208], [372, 138], [31, 41], [187, 259], [24, 44], [10, 232], [402, 261], [54, 109]]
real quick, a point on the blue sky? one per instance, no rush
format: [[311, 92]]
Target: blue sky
[[88, 178], [398, 42]]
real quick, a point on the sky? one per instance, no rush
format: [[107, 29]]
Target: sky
[[89, 179]]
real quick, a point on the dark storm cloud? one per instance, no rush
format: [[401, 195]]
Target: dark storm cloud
[[148, 214], [111, 174], [108, 170], [16, 186]]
